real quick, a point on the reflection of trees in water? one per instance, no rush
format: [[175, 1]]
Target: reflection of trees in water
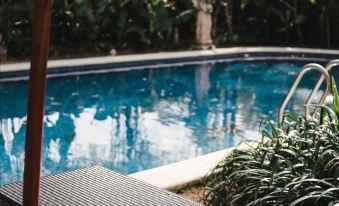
[[58, 136], [129, 141], [212, 119], [13, 156], [201, 109]]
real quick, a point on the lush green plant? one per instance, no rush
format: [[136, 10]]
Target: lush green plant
[[294, 165]]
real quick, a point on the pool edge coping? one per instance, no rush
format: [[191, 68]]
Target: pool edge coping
[[185, 173], [80, 62]]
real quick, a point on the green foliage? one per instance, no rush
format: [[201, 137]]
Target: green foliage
[[133, 25], [295, 165], [87, 25]]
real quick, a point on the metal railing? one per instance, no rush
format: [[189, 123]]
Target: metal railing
[[300, 75], [328, 68]]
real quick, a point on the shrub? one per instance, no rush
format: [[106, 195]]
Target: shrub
[[294, 165]]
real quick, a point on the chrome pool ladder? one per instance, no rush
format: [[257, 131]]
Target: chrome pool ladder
[[300, 75], [328, 68]]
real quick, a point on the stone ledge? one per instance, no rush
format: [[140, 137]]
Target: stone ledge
[[66, 63], [184, 173]]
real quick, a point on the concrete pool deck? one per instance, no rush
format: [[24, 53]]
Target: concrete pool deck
[[180, 174], [184, 173], [245, 51]]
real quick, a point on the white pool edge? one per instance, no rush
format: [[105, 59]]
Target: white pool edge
[[67, 63], [184, 173]]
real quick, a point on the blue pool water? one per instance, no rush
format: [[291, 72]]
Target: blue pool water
[[135, 120]]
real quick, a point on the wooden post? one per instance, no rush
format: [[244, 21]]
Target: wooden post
[[36, 101]]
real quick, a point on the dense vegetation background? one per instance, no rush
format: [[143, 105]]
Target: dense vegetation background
[[89, 26]]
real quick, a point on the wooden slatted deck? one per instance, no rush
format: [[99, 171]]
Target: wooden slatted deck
[[94, 186]]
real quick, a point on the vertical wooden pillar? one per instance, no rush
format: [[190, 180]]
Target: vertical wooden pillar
[[36, 101]]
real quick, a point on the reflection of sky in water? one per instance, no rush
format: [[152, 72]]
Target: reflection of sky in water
[[131, 121]]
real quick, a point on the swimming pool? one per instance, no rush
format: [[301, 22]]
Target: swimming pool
[[130, 121]]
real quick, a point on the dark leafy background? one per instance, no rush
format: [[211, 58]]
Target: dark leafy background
[[88, 26]]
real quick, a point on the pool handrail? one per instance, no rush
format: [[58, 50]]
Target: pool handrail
[[328, 68], [306, 68]]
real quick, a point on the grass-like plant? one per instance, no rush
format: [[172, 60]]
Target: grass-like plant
[[294, 165]]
